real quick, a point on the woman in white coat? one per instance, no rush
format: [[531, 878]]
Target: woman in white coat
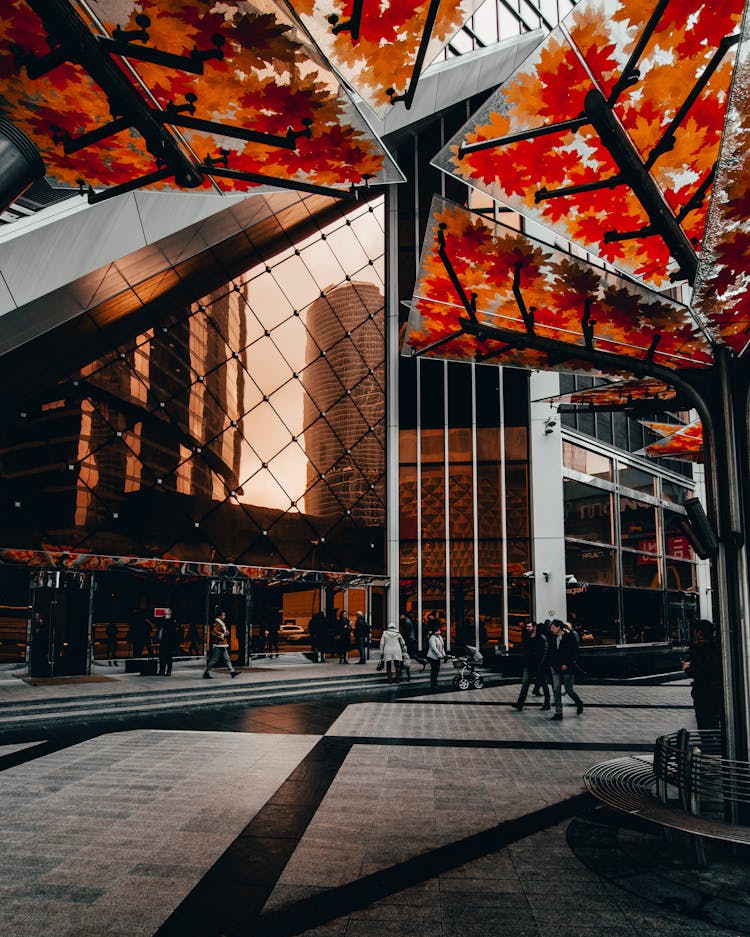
[[435, 653], [392, 648]]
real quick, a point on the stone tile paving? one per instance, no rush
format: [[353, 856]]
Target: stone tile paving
[[394, 803], [475, 717], [107, 837]]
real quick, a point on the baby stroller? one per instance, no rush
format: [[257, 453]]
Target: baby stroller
[[467, 667]]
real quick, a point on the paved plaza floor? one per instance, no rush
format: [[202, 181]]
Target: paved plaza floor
[[416, 814]]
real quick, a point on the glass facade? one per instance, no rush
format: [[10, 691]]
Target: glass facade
[[464, 500], [246, 428], [238, 433], [633, 572]]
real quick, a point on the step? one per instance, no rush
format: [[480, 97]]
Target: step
[[170, 701]]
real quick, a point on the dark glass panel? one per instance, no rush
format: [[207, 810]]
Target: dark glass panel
[[488, 444], [677, 544], [680, 576], [588, 512], [635, 478], [643, 616], [640, 570], [638, 525], [516, 397], [488, 396], [590, 564], [593, 610], [432, 394]]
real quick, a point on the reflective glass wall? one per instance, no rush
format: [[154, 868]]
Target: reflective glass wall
[[632, 572], [245, 428]]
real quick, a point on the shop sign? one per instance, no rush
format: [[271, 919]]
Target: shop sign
[[162, 613]]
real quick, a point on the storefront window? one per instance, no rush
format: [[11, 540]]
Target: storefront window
[[677, 543], [643, 616], [590, 563], [593, 612], [680, 576], [588, 512], [675, 493], [638, 525], [641, 570], [587, 462], [636, 479]]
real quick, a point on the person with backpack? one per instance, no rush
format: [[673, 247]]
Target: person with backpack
[[392, 649]]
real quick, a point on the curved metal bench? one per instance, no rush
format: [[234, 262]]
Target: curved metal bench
[[688, 786]]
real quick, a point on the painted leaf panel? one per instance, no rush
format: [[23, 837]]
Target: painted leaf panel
[[381, 55], [678, 442], [270, 79], [722, 288], [620, 394], [523, 286], [65, 100], [673, 135]]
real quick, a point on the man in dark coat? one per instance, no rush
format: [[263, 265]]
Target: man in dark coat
[[317, 629], [535, 656], [362, 636], [704, 666], [562, 660]]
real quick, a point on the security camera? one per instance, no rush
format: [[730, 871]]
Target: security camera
[[549, 425], [570, 579], [529, 574]]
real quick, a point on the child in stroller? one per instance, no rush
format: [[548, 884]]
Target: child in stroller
[[467, 667]]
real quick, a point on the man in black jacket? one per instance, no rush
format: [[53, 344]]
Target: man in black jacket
[[704, 666], [535, 661], [563, 653]]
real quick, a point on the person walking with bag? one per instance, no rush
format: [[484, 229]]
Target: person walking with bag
[[220, 652], [392, 648], [435, 654]]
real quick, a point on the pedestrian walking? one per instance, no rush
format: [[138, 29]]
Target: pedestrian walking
[[563, 654], [435, 654], [535, 652], [409, 634], [392, 648], [220, 651]]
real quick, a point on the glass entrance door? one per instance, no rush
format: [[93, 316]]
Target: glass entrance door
[[60, 623]]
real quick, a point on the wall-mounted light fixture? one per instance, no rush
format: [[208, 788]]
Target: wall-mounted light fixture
[[549, 425]]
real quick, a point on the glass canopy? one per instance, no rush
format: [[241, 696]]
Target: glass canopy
[[482, 288], [678, 442], [162, 93], [609, 132], [379, 48], [619, 395]]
